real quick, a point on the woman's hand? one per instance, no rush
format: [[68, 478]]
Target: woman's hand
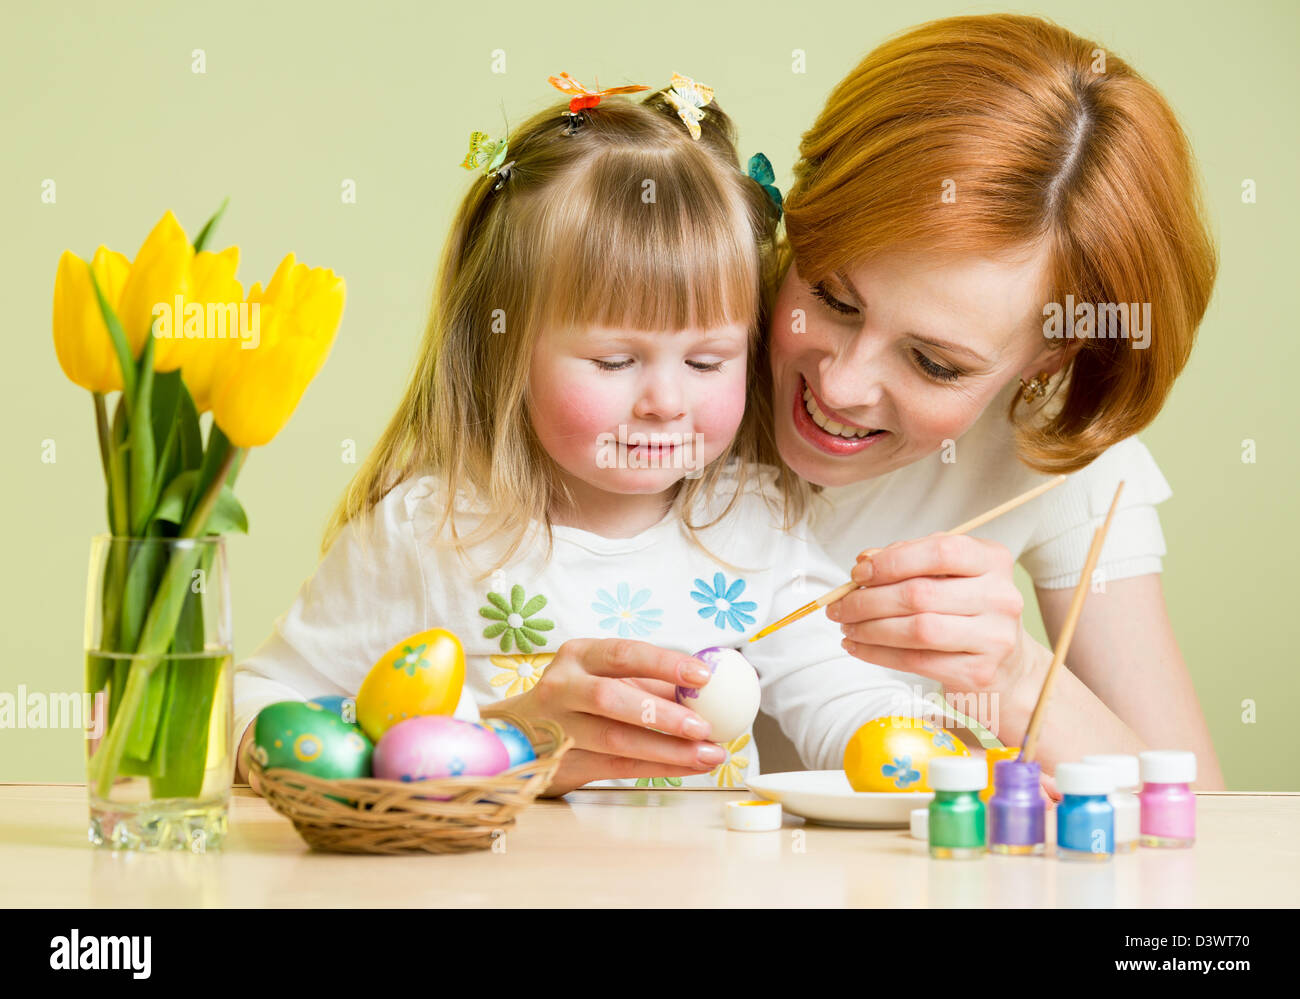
[[615, 697], [944, 607]]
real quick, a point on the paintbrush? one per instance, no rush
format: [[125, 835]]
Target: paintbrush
[[850, 586], [1067, 631]]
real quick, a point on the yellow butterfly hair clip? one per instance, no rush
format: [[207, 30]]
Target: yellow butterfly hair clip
[[488, 155], [690, 99]]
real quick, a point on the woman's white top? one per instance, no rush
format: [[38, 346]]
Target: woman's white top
[[1049, 536]]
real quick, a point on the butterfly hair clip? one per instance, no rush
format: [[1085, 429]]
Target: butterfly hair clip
[[760, 170], [488, 155], [583, 98], [690, 99]]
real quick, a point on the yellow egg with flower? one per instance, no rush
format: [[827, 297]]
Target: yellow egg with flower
[[894, 753], [420, 675]]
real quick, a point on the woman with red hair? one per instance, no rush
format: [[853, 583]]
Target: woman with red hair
[[998, 260]]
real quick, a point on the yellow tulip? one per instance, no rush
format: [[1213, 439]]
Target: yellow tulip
[[159, 273], [81, 339], [256, 388], [212, 281]]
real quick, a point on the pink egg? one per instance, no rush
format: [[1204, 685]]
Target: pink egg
[[430, 746]]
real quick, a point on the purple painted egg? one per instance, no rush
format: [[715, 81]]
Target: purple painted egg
[[430, 746], [729, 702]]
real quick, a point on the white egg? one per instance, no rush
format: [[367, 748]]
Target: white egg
[[729, 701], [466, 707]]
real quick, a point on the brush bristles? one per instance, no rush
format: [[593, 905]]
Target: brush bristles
[[803, 611]]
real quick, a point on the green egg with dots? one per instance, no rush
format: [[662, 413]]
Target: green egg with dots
[[301, 736]]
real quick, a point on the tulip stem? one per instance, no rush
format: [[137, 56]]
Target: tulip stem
[[199, 518], [101, 425]]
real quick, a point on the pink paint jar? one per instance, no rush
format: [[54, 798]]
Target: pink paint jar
[[1168, 804]]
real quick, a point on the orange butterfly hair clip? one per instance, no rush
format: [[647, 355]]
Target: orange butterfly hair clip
[[581, 98]]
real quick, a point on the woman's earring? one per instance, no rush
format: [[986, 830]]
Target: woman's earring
[[1035, 388]]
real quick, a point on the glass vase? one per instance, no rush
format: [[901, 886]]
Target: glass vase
[[158, 671]]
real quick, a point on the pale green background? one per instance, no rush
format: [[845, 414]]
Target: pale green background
[[299, 96]]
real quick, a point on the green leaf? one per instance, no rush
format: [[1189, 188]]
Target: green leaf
[[189, 432], [144, 728], [492, 613], [210, 227], [176, 497], [532, 636], [167, 389], [227, 513], [120, 345], [167, 392], [145, 563], [492, 630], [517, 595], [542, 624], [182, 747], [499, 601], [218, 446], [140, 435]]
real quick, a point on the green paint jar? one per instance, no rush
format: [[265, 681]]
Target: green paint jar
[[956, 813]]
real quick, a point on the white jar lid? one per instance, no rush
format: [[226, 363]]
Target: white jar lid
[[752, 816], [1084, 778], [1168, 766], [958, 773], [920, 823], [1123, 768]]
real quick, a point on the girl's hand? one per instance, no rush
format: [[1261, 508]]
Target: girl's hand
[[944, 607], [615, 697]]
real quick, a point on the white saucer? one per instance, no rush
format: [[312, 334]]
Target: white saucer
[[825, 796]]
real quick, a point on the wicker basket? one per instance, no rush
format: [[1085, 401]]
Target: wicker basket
[[396, 817]]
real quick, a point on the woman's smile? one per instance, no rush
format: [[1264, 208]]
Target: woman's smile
[[826, 429]]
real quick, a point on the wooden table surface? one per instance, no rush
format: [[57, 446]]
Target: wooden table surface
[[616, 848]]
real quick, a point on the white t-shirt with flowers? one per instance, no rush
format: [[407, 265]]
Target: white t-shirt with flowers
[[657, 586]]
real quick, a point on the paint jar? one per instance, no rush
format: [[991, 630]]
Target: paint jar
[[956, 813], [991, 757], [1124, 799], [1018, 810], [1168, 805], [1085, 818]]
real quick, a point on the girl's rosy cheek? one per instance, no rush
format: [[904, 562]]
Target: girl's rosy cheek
[[722, 411]]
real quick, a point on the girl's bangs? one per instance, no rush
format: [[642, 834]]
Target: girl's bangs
[[686, 259]]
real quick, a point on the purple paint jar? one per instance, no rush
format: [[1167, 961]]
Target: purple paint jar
[[1017, 809], [1168, 805]]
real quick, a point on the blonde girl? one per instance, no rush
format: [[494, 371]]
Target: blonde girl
[[570, 482]]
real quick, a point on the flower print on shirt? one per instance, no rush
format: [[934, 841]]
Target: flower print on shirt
[[720, 602], [520, 672], [514, 620], [625, 611], [658, 782], [731, 771]]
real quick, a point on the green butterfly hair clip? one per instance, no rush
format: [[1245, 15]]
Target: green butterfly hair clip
[[488, 155], [760, 171]]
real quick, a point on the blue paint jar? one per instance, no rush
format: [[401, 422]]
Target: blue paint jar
[[1085, 818]]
